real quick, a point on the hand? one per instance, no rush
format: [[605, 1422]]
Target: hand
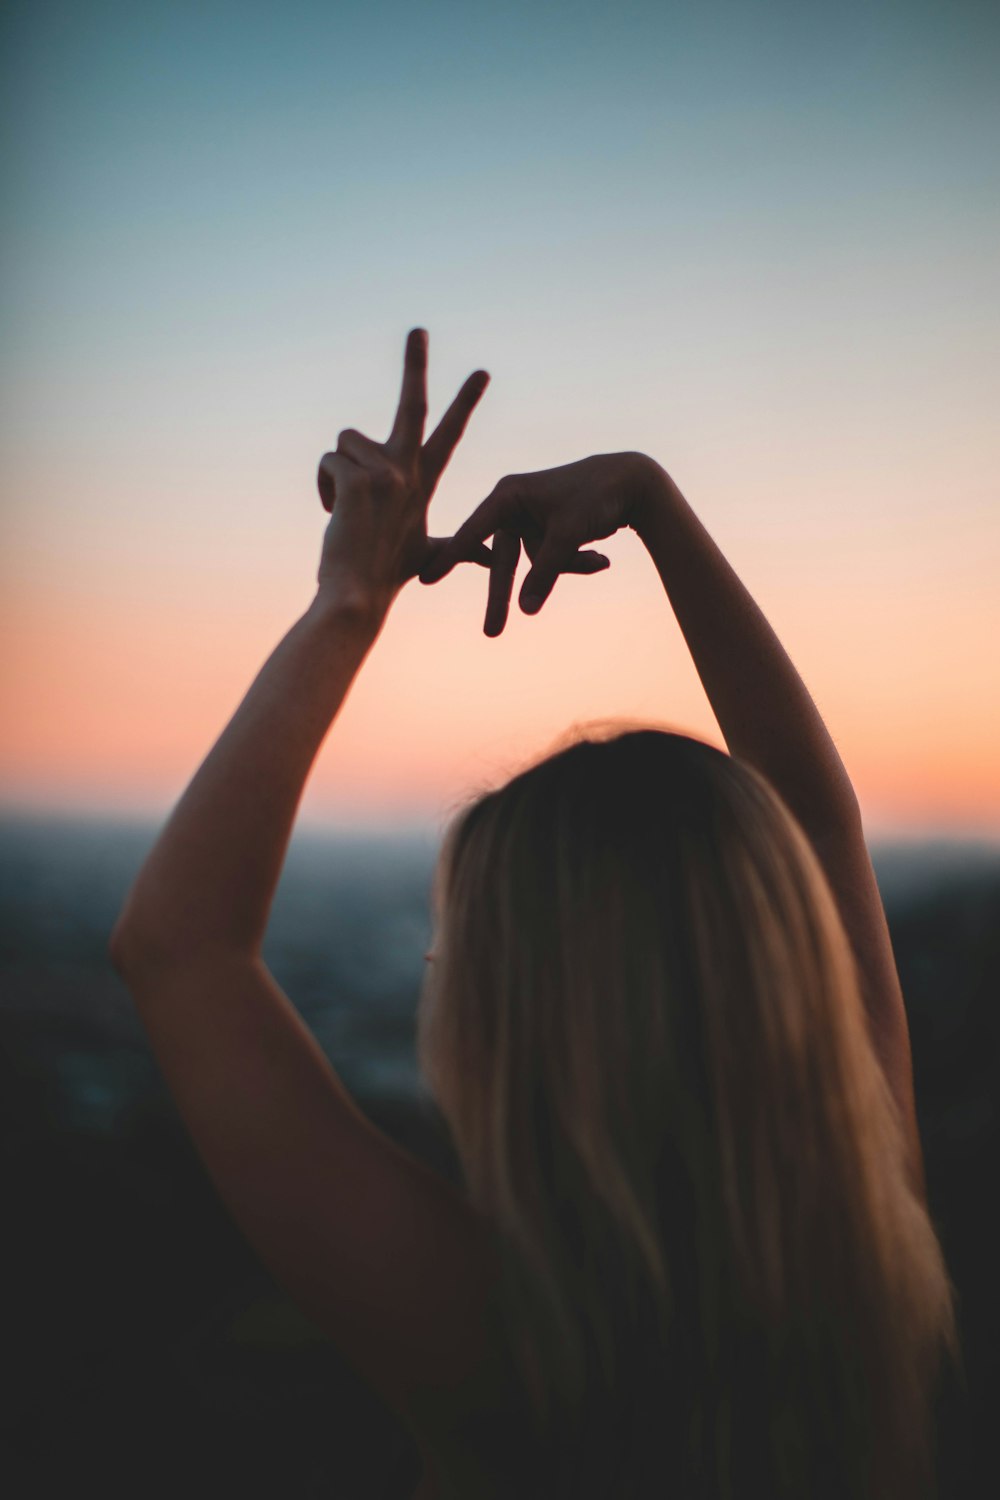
[[378, 493], [552, 513]]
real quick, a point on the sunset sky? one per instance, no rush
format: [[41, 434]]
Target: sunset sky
[[760, 242]]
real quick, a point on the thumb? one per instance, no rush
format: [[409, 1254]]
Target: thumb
[[441, 555]]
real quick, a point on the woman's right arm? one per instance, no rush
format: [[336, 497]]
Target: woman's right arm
[[768, 719], [763, 707]]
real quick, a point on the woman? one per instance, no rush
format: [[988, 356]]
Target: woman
[[663, 1021]]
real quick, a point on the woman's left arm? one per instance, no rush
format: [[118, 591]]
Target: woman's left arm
[[320, 1193]]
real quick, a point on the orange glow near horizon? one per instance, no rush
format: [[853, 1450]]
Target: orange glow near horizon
[[115, 707]]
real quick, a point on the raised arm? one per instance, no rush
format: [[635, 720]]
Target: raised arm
[[768, 719], [324, 1197], [763, 707]]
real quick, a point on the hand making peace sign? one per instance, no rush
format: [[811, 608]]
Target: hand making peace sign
[[378, 493]]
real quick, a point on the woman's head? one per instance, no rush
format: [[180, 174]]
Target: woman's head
[[643, 1025]]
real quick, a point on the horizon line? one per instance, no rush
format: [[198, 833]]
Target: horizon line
[[426, 824]]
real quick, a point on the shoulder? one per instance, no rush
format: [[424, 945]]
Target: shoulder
[[475, 1430]]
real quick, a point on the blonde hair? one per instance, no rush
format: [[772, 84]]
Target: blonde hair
[[644, 1029]]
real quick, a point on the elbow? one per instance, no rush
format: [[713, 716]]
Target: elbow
[[138, 945], [129, 951], [140, 952], [131, 938], [844, 812], [830, 814]]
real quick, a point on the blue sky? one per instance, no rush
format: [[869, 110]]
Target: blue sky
[[757, 240]]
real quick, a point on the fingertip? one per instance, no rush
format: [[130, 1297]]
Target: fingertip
[[437, 565], [587, 563], [475, 388]]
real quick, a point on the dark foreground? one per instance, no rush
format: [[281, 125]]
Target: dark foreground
[[150, 1355]]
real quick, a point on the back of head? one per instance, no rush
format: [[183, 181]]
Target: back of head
[[644, 1028]]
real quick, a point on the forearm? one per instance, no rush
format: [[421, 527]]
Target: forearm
[[210, 879], [763, 707]]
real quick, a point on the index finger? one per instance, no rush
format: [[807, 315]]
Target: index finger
[[411, 414], [448, 433]]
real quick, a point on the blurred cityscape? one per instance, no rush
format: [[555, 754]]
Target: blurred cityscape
[[150, 1352]]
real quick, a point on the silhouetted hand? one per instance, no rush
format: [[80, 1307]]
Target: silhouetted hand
[[551, 513], [378, 493]]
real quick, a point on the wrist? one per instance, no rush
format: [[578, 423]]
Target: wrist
[[348, 606], [651, 493]]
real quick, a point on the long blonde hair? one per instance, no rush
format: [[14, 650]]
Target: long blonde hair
[[644, 1029]]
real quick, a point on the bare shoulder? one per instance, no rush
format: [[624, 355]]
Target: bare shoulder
[[382, 1253], [420, 1332]]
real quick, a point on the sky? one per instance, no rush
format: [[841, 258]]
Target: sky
[[760, 242]]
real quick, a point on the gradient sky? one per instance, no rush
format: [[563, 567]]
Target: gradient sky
[[758, 241]]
